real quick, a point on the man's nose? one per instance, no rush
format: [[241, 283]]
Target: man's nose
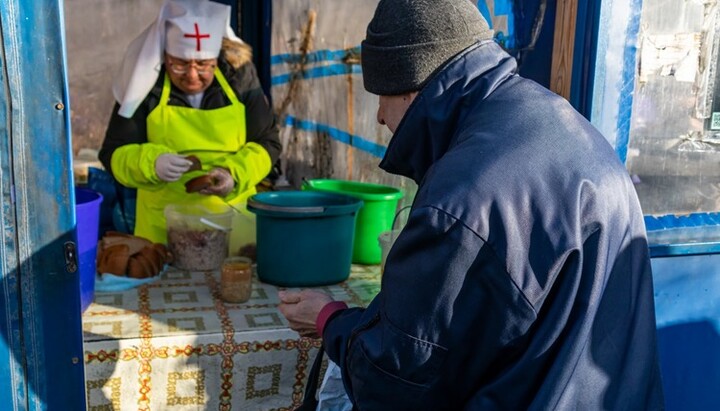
[[380, 118]]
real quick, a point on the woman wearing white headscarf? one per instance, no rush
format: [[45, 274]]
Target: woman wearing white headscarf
[[187, 87]]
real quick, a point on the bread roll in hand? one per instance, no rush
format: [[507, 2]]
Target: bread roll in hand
[[196, 164], [197, 184]]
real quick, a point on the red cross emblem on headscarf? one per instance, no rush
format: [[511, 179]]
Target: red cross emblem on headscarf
[[197, 36]]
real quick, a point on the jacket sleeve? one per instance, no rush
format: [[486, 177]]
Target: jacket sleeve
[[418, 344], [134, 165], [121, 131], [126, 153], [249, 166]]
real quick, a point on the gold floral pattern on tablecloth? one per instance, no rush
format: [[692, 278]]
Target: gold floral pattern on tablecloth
[[197, 397], [174, 345]]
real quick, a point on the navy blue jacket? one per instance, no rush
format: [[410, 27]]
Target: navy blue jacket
[[522, 279]]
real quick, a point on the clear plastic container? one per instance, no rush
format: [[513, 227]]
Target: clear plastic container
[[198, 236], [242, 239]]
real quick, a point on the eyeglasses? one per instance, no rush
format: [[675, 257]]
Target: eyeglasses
[[202, 67]]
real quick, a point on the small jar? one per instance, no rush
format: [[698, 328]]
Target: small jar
[[236, 279]]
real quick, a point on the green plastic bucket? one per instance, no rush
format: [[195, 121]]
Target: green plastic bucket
[[375, 217], [304, 238]]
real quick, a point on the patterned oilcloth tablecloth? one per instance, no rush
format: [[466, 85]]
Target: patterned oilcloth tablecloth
[[175, 345]]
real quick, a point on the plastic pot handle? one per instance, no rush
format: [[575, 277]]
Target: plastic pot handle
[[270, 207]]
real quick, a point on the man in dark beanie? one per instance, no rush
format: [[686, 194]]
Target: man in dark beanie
[[407, 41], [522, 279]]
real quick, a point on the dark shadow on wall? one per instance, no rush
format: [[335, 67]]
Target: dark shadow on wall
[[42, 330], [690, 364]]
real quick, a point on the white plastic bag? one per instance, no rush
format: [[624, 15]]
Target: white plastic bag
[[332, 395]]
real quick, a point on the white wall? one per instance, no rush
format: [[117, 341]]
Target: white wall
[[97, 33]]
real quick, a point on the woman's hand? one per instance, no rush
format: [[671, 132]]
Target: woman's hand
[[223, 183], [169, 167]]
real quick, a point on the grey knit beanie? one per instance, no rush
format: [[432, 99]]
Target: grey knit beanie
[[407, 40]]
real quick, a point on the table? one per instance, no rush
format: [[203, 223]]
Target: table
[[174, 345]]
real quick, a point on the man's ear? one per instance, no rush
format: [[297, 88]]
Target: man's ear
[[409, 97]]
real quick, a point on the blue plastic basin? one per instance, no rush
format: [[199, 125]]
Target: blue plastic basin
[[304, 238]]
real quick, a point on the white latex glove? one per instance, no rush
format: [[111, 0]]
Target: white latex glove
[[224, 182], [169, 167]]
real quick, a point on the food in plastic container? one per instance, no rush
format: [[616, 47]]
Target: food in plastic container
[[198, 236]]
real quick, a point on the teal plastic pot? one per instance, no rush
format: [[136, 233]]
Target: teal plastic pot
[[304, 238], [375, 217]]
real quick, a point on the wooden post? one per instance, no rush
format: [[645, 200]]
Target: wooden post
[[563, 47]]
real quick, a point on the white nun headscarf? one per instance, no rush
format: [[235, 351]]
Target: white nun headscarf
[[186, 29]]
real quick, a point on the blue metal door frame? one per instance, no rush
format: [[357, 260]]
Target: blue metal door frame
[[255, 29], [41, 344], [12, 365]]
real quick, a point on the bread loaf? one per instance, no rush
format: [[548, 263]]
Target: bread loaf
[[134, 243], [132, 256], [163, 250], [139, 267], [114, 259]]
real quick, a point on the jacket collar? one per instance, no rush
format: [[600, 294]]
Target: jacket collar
[[428, 128]]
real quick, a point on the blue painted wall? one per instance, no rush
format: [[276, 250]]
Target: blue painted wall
[[688, 322]]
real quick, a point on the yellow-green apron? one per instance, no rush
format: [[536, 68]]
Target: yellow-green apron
[[210, 135]]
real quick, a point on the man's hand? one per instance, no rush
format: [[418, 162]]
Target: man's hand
[[302, 308], [223, 183], [169, 167]]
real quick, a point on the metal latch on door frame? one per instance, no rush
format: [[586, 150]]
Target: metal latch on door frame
[[71, 261]]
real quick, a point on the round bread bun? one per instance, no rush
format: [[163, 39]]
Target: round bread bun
[[196, 164], [199, 183]]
